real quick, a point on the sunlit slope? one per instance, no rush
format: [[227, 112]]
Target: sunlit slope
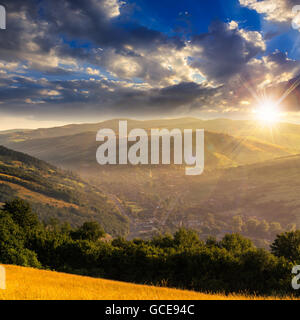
[[283, 134], [32, 284], [78, 152], [55, 193]]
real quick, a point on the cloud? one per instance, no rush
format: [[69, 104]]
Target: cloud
[[93, 72], [274, 10], [112, 7], [51, 36], [99, 98], [225, 50], [64, 59], [172, 99]]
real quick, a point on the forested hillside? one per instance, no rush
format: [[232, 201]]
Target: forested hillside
[[55, 193]]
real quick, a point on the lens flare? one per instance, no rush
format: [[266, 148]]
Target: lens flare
[[268, 112]]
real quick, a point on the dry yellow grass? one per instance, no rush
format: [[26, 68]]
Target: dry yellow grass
[[32, 284]]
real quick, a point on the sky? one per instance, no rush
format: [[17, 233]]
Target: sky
[[71, 61]]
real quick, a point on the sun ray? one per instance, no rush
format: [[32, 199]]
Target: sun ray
[[289, 90]]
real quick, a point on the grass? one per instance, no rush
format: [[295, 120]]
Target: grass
[[32, 284]]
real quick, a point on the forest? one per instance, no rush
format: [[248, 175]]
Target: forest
[[181, 260]]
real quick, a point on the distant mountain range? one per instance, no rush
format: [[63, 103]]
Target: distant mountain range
[[282, 134], [251, 170], [227, 142]]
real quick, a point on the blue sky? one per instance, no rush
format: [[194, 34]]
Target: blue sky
[[75, 61], [193, 17], [199, 14]]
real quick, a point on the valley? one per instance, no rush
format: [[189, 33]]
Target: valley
[[249, 185]]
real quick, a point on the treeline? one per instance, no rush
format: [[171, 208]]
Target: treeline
[[261, 231], [182, 260]]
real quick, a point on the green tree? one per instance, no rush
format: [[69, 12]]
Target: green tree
[[287, 245], [90, 230], [12, 242], [186, 238], [21, 213], [235, 242]]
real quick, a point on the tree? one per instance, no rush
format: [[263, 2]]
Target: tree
[[287, 245], [235, 242], [186, 238], [88, 231], [12, 246], [21, 213], [211, 241]]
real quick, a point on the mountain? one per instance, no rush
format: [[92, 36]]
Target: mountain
[[267, 190], [285, 135], [55, 193], [77, 151]]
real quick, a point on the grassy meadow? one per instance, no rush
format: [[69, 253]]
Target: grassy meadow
[[33, 284]]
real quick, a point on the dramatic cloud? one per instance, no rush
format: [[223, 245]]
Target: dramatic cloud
[[275, 10], [71, 59], [225, 50], [98, 97]]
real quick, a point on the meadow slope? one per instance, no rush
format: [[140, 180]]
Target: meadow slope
[[33, 284], [55, 193]]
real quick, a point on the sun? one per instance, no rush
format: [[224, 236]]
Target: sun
[[268, 112]]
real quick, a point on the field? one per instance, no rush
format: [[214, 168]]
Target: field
[[32, 284]]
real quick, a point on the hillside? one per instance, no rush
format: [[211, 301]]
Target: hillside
[[285, 135], [55, 193], [257, 200], [237, 182], [32, 284], [77, 151]]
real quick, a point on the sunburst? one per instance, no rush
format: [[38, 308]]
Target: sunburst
[[268, 112]]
